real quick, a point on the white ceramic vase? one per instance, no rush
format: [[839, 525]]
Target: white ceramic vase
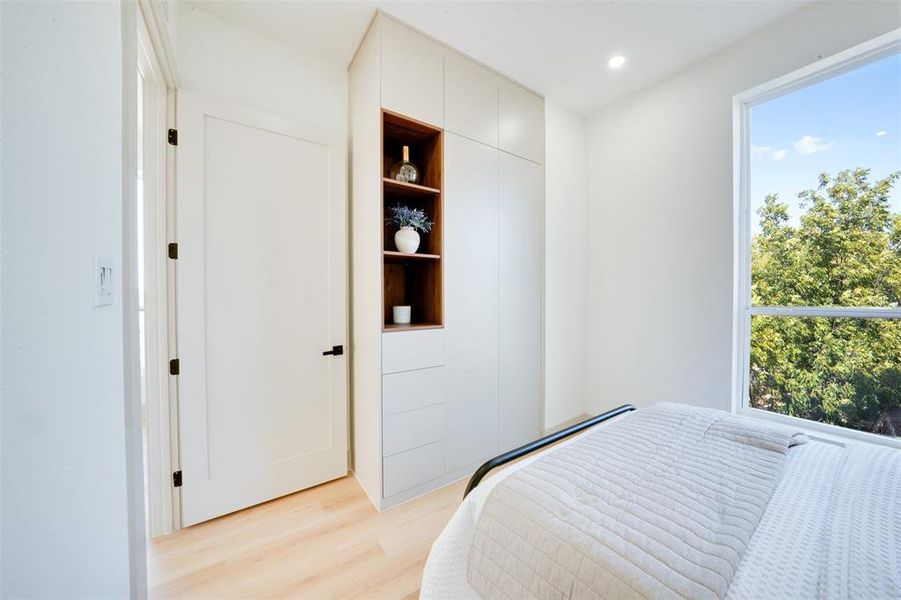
[[407, 240]]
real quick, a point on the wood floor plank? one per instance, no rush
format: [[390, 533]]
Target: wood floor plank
[[325, 542]]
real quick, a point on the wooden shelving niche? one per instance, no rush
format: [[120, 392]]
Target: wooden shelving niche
[[413, 280]]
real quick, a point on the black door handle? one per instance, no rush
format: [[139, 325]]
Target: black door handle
[[335, 351]]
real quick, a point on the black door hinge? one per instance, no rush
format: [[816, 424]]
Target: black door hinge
[[173, 137], [173, 251], [173, 367], [176, 479], [335, 351]]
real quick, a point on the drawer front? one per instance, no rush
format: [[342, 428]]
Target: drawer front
[[413, 467], [409, 350], [413, 389], [412, 429]]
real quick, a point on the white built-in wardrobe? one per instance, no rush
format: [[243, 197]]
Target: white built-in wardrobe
[[434, 399]]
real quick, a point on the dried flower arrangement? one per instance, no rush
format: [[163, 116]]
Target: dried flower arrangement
[[404, 216]]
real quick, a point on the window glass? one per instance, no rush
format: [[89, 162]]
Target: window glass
[[825, 197], [840, 371]]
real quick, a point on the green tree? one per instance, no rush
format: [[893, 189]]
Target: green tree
[[845, 251]]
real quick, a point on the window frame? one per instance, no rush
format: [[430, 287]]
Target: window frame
[[827, 68]]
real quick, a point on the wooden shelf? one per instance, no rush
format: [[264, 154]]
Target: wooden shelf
[[415, 279], [394, 255], [400, 188], [412, 326]]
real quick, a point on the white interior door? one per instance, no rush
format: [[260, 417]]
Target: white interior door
[[261, 292]]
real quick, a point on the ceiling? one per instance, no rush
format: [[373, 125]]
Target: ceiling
[[558, 48]]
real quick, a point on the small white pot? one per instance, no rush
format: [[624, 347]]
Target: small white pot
[[407, 240], [401, 315]]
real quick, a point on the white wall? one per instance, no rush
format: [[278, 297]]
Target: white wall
[[234, 64], [661, 212], [63, 511], [566, 264]]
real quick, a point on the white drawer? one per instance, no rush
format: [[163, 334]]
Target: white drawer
[[412, 429], [409, 350], [413, 467], [413, 389]]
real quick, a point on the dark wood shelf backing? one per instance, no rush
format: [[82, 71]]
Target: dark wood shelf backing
[[401, 188], [424, 141], [394, 255], [413, 283], [429, 243]]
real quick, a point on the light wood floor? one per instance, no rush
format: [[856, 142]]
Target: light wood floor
[[325, 542]]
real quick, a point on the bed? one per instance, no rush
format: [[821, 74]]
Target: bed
[[677, 502]]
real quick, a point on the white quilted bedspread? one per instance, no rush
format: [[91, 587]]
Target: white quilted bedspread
[[832, 529], [659, 505], [862, 537]]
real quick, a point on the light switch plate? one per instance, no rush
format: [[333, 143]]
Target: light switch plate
[[103, 281]]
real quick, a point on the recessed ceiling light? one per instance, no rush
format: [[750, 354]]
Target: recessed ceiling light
[[616, 62]]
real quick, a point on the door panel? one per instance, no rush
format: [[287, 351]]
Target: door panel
[[470, 100], [521, 116], [471, 300], [412, 74], [520, 260], [260, 296]]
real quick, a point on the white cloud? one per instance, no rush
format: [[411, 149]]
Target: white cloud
[[811, 145], [880, 133], [758, 152]]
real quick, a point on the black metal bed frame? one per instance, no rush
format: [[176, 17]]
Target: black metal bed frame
[[540, 443]]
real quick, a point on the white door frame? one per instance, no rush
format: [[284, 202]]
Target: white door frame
[[142, 20], [131, 367], [160, 388]]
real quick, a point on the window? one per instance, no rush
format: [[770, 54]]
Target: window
[[818, 256]]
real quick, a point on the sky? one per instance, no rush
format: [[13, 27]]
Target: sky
[[852, 120]]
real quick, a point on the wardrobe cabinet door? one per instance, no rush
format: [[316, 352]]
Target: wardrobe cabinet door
[[412, 74], [521, 116], [520, 260], [470, 272], [470, 100]]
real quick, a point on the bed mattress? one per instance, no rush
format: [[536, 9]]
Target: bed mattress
[[792, 552]]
